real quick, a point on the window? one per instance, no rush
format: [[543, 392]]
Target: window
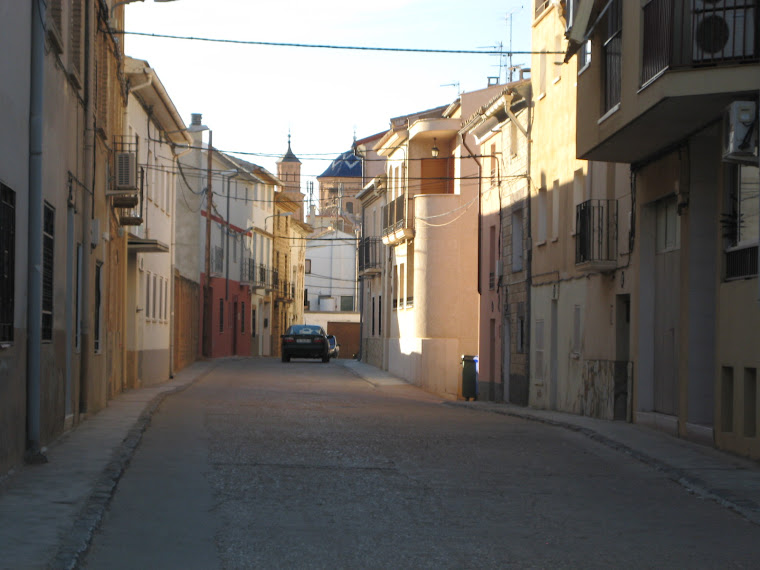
[[242, 316], [584, 56], [542, 207], [578, 194], [577, 329], [346, 303], [539, 364], [555, 209], [741, 225], [97, 325], [153, 312], [7, 261], [612, 55], [78, 322], [166, 300], [380, 315], [517, 240], [160, 315], [559, 58], [541, 6], [668, 232], [349, 207], [253, 322], [48, 261], [747, 205], [542, 74], [373, 316], [520, 336], [221, 315], [492, 252]]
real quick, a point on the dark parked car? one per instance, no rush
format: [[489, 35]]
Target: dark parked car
[[306, 341]]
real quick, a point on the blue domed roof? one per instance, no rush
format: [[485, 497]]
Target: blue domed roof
[[345, 166]]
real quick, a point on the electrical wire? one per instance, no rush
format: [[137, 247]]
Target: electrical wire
[[337, 47]]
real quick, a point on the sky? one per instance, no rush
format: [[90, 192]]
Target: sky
[[252, 96]]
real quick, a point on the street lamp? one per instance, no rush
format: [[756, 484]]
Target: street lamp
[[283, 215], [434, 151]]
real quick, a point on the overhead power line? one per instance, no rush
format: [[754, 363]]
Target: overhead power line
[[328, 46]]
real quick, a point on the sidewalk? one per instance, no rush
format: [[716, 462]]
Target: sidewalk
[[731, 481], [49, 512]]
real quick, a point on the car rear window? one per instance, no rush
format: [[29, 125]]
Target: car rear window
[[304, 329]]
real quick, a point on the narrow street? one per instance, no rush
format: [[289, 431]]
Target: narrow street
[[304, 465]]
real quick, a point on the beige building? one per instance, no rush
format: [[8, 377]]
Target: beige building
[[683, 113], [581, 266], [429, 223]]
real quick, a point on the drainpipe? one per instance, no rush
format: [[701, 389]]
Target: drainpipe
[[33, 452], [480, 222]]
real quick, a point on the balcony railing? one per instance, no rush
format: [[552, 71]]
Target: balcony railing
[[695, 33], [596, 240], [248, 271], [370, 254], [262, 276], [398, 223]]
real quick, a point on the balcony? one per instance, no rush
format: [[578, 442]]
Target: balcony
[[370, 255], [690, 60], [686, 34], [248, 271], [398, 222], [596, 240]]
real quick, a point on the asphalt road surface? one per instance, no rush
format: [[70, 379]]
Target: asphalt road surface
[[303, 465]]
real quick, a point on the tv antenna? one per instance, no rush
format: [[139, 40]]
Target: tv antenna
[[455, 84]]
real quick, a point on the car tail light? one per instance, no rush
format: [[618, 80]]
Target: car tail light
[[287, 339], [319, 340]]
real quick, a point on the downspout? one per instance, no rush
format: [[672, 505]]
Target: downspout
[[33, 453], [480, 183]]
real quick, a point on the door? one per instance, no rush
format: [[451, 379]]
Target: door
[[667, 276]]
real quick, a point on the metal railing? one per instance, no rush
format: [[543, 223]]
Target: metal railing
[[695, 33], [248, 271], [395, 216], [370, 253], [741, 263], [596, 224]]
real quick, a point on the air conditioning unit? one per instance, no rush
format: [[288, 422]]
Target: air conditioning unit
[[740, 132], [126, 171], [723, 29]]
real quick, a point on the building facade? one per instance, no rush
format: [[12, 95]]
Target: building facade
[[683, 113]]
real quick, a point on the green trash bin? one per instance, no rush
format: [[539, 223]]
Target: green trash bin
[[469, 377]]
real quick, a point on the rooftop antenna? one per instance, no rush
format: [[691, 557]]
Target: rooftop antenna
[[455, 84], [508, 18]]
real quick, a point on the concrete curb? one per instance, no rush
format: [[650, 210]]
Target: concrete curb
[[744, 507], [78, 540]]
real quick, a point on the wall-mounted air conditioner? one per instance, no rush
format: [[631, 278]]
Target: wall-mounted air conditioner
[[723, 29], [740, 126], [126, 171]]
